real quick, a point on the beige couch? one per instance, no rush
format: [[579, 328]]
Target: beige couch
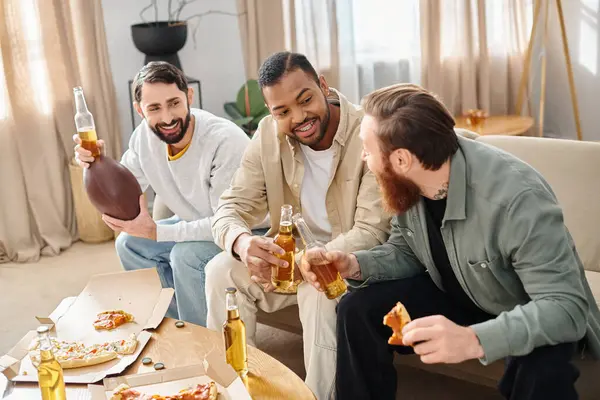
[[572, 169]]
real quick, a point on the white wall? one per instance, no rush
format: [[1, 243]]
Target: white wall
[[216, 61], [583, 35]]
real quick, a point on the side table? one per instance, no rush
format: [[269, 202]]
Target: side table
[[512, 125]]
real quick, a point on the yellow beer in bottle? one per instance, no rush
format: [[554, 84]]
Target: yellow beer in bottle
[[327, 275], [283, 277], [50, 373], [234, 331], [84, 121]]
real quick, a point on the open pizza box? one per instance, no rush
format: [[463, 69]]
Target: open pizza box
[[137, 292], [171, 381]]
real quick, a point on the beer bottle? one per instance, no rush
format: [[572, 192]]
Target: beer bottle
[[110, 186], [327, 275], [283, 277], [84, 121], [234, 331], [50, 373]]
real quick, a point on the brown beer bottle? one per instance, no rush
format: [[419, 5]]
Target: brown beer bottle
[[327, 275], [111, 187], [283, 277], [234, 332]]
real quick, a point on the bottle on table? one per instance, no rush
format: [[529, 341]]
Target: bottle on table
[[234, 332], [50, 373], [283, 277], [327, 275]]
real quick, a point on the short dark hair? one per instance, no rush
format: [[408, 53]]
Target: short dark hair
[[412, 118], [158, 71], [277, 65]]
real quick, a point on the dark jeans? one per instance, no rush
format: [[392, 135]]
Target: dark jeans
[[365, 368]]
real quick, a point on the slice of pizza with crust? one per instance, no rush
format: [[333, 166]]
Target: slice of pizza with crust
[[112, 319], [396, 319], [71, 354], [207, 391]]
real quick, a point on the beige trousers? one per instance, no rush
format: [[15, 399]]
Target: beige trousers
[[317, 315]]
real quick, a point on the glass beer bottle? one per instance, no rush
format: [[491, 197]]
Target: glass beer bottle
[[84, 121], [327, 275], [234, 331], [283, 277], [50, 373]]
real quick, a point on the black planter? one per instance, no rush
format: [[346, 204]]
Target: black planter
[[160, 41]]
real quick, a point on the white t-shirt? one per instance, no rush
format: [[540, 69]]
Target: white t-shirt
[[191, 185], [317, 174]]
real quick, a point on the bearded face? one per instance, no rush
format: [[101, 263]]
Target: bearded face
[[399, 192]]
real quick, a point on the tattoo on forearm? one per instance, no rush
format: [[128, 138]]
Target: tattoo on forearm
[[442, 193]]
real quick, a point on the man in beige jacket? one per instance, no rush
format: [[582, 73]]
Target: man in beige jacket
[[307, 153]]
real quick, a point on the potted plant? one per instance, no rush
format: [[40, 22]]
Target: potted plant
[[249, 108], [161, 40]]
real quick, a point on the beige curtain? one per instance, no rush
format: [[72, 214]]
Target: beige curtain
[[305, 26], [314, 33], [472, 52], [262, 31], [47, 48]]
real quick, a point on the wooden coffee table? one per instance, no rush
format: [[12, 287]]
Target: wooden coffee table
[[178, 347]]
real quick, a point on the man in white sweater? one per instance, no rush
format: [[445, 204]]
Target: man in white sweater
[[188, 157]]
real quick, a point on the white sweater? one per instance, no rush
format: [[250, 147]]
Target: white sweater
[[191, 185]]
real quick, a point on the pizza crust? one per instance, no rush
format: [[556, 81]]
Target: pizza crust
[[87, 362], [397, 319], [76, 355], [213, 393]]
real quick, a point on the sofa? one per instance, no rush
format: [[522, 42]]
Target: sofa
[[572, 169]]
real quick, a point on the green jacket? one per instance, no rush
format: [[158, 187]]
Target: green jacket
[[509, 248]]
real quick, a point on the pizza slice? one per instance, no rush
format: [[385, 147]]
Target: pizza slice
[[207, 391], [112, 319], [71, 354], [397, 319]]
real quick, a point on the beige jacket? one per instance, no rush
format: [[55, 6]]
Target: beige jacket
[[271, 175]]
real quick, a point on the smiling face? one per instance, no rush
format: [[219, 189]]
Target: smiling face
[[166, 110], [299, 105]]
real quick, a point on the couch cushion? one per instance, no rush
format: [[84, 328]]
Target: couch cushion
[[593, 279], [571, 168], [287, 319]]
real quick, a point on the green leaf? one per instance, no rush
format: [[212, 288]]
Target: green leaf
[[251, 92], [260, 116], [232, 110], [242, 121]]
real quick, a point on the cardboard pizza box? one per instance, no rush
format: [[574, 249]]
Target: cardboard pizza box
[[171, 381], [137, 292]]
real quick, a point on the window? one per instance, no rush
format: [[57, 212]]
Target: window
[[386, 30]]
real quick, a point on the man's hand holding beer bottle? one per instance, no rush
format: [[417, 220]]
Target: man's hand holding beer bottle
[[345, 264], [83, 156], [320, 267], [258, 254]]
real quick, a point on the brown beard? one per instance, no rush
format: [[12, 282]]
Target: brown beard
[[399, 193]]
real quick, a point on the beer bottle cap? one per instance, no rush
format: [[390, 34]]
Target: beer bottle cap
[[43, 329], [231, 290]]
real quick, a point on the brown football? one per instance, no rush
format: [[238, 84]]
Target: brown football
[[112, 188]]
